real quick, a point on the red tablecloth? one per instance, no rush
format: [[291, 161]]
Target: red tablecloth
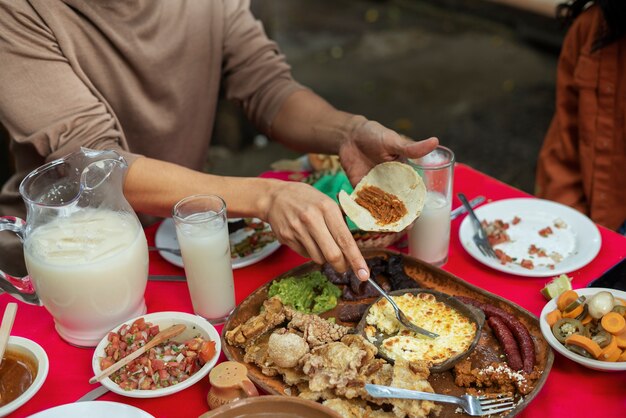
[[570, 391]]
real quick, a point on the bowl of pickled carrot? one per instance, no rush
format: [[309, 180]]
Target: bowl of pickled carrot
[[588, 326]]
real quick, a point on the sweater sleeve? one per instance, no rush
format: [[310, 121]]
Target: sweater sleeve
[[559, 176], [44, 102], [255, 73]]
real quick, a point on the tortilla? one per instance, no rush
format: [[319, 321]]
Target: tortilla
[[402, 186]]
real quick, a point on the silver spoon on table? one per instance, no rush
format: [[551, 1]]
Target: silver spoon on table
[[399, 314]]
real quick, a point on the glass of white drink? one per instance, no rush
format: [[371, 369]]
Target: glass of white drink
[[202, 232], [430, 236]]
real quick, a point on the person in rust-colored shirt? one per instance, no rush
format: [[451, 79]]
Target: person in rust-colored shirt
[[583, 159], [142, 77]]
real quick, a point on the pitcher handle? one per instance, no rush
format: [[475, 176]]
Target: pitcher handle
[[19, 287], [248, 387]]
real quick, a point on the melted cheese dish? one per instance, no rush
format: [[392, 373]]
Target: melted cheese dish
[[456, 331]]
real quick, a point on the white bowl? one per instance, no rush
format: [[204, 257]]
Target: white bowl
[[555, 344], [195, 326], [38, 355]]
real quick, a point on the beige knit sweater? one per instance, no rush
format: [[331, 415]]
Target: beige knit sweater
[[137, 76]]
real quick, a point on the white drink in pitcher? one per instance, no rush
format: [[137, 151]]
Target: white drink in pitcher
[[90, 271], [205, 249], [429, 238]]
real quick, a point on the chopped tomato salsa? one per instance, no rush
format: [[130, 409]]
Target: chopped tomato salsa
[[162, 366]]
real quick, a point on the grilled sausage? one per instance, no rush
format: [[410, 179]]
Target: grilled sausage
[[507, 341], [352, 312], [525, 341]]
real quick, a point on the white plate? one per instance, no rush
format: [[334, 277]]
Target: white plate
[[579, 242], [196, 325], [554, 343], [166, 238], [93, 409]]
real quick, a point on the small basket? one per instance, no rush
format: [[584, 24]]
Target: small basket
[[366, 240]]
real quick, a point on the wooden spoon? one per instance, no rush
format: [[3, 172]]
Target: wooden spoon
[[162, 336], [5, 329]]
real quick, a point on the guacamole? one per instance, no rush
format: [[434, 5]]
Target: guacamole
[[311, 293]]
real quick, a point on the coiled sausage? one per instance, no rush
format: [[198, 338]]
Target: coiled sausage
[[507, 341], [525, 341]]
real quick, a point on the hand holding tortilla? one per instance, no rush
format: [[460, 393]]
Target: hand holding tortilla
[[388, 199]]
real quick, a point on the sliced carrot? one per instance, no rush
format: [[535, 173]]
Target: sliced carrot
[[574, 312], [609, 348], [611, 355], [613, 323], [622, 356], [565, 299], [588, 344], [553, 316], [622, 301], [587, 319], [621, 340]]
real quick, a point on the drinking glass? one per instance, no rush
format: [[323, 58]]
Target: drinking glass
[[202, 232], [429, 238]]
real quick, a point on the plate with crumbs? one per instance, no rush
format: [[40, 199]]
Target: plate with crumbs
[[533, 237]]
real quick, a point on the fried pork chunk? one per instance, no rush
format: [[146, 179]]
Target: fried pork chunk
[[343, 368], [332, 365], [414, 376], [258, 353], [270, 317], [316, 330], [354, 409], [285, 349]]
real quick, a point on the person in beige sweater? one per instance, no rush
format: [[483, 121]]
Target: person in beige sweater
[[142, 77]]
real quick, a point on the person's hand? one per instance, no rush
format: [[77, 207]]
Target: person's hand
[[312, 224], [370, 143]]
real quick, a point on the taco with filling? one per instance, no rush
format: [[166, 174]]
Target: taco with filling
[[388, 199]]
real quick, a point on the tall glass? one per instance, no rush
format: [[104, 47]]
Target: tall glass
[[202, 232], [429, 238]]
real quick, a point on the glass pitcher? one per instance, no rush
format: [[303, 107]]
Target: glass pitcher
[[84, 247]]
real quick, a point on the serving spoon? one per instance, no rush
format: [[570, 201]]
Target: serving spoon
[[5, 329], [162, 336], [399, 314]]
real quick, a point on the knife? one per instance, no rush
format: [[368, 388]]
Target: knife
[[461, 209], [94, 394], [165, 278]]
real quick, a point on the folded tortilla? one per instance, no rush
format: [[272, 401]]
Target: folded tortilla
[[398, 180]]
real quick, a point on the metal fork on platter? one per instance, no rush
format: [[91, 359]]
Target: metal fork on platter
[[472, 405], [480, 236]]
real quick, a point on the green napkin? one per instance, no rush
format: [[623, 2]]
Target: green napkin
[[331, 184]]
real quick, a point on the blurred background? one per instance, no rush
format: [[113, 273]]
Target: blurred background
[[479, 74]]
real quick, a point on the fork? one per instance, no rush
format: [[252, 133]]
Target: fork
[[472, 405], [480, 236], [175, 251], [399, 314]]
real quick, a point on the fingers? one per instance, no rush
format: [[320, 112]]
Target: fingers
[[336, 241], [313, 225], [410, 149], [345, 241], [293, 240]]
